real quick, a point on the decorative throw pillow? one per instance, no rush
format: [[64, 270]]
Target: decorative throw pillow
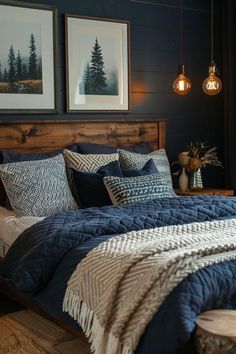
[[91, 148], [37, 188], [148, 169], [88, 163], [136, 189], [12, 156], [88, 188], [132, 160]]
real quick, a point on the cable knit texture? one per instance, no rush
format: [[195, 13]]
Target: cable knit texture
[[116, 290]]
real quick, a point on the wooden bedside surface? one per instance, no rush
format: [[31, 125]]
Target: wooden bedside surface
[[205, 191]]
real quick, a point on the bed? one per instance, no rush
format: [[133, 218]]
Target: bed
[[41, 261]]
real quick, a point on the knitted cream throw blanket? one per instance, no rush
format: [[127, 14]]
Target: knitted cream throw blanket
[[116, 290]]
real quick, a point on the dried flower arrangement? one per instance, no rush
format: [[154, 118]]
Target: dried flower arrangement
[[198, 155]]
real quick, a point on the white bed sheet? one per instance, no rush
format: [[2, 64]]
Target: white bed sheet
[[11, 227]]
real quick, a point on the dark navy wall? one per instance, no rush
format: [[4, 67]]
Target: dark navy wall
[[154, 61]]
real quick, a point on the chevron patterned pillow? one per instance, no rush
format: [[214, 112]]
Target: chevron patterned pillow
[[88, 163], [136, 189], [132, 160], [37, 188]]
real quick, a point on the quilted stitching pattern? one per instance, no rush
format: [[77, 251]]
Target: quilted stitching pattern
[[34, 256]]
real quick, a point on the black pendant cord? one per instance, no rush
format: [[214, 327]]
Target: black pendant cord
[[212, 32], [181, 32]]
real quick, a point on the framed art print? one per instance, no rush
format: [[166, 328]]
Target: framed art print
[[27, 57], [97, 64]]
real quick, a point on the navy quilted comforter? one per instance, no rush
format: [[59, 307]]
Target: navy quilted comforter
[[42, 259]]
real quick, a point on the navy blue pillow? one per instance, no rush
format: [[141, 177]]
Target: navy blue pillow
[[12, 156], [90, 148], [88, 188], [148, 169]]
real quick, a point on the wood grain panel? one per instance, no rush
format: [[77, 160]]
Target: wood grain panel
[[48, 136]]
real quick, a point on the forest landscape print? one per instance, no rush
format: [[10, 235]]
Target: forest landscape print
[[20, 58], [99, 74], [97, 64]]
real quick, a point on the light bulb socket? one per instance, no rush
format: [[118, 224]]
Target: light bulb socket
[[181, 69], [212, 69]]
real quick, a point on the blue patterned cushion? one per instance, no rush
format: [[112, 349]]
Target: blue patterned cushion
[[136, 189], [37, 188], [132, 160], [12, 156]]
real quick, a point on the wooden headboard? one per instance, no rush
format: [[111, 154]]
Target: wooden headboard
[[46, 136], [53, 135]]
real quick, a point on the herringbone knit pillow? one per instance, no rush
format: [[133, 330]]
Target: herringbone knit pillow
[[87, 163], [37, 188]]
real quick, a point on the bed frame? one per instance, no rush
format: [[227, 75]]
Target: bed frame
[[40, 136]]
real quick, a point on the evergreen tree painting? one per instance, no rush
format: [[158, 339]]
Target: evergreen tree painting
[[5, 76], [95, 79], [24, 72], [21, 69], [97, 74], [19, 66], [87, 80], [32, 58], [11, 65]]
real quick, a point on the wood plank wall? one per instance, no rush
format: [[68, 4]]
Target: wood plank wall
[[154, 61]]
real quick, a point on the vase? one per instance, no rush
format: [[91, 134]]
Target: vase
[[183, 180], [196, 180]]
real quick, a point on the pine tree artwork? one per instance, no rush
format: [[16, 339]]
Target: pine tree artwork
[[95, 79], [11, 66], [32, 58], [21, 68]]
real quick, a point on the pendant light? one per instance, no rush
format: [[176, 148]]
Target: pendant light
[[212, 84], [182, 85]]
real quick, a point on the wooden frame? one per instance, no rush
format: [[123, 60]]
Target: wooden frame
[[28, 77], [43, 136], [97, 45]]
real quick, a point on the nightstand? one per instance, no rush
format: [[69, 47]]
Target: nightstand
[[205, 191]]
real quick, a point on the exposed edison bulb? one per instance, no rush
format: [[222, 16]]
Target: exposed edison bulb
[[212, 85], [182, 85]]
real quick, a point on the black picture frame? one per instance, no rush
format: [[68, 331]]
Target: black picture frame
[[34, 90], [109, 39]]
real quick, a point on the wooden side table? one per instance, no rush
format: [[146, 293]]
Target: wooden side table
[[216, 332], [205, 191]]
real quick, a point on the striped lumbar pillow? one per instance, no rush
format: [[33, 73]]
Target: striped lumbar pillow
[[88, 163], [132, 160], [37, 188], [135, 189]]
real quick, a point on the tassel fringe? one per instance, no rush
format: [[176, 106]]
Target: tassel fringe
[[101, 342]]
